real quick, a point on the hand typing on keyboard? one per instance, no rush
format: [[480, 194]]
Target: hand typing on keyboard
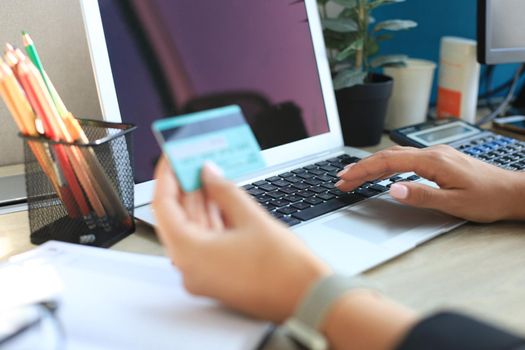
[[469, 188]]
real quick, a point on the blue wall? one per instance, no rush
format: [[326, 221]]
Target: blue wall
[[436, 18]]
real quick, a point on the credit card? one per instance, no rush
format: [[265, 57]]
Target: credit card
[[220, 135]]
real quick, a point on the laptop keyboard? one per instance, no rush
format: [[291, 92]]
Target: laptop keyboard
[[505, 152], [309, 192]]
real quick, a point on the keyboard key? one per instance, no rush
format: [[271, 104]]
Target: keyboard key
[[281, 183], [273, 179], [287, 190], [326, 207], [337, 192], [306, 176], [329, 168], [328, 186], [287, 210], [294, 179], [277, 215], [285, 175], [312, 182], [268, 188], [320, 164], [317, 189], [255, 192], [293, 199], [325, 196], [378, 188], [300, 186], [310, 167], [313, 200], [279, 203], [365, 192], [299, 171], [413, 178], [324, 178], [276, 194], [316, 172], [263, 198], [396, 178], [248, 187], [260, 183], [305, 194], [290, 221], [301, 205]]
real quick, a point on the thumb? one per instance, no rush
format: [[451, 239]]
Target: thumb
[[235, 205], [419, 195]]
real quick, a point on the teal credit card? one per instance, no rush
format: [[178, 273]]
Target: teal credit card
[[220, 135]]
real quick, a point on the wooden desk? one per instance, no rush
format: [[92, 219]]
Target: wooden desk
[[476, 268]]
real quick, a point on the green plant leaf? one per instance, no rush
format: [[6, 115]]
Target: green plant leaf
[[349, 4], [395, 24], [372, 47], [389, 60], [376, 3], [347, 78], [340, 25], [356, 45]]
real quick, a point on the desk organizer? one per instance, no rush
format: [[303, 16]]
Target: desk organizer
[[105, 177]]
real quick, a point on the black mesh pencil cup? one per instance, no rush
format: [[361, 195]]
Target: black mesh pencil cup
[[83, 191]]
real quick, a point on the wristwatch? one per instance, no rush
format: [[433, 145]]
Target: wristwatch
[[303, 326]]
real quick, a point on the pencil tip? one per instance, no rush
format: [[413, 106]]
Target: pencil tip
[[24, 32]]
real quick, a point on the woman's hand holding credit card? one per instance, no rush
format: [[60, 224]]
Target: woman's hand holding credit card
[[220, 136]]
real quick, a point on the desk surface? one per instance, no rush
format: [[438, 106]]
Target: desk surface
[[476, 268]]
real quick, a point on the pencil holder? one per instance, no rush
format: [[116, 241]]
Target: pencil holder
[[81, 192]]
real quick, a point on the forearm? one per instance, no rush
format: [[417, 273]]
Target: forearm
[[365, 320]]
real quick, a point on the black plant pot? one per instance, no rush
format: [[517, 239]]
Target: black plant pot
[[362, 110]]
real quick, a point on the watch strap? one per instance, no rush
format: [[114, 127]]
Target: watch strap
[[304, 325]]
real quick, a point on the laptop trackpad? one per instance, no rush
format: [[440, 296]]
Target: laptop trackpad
[[380, 219]]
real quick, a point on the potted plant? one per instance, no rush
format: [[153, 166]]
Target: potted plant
[[352, 39]]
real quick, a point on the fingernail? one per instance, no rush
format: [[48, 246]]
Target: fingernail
[[212, 169], [339, 183], [399, 191], [345, 170]]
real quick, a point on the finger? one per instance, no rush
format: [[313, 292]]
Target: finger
[[420, 195], [195, 206], [392, 161], [235, 205], [172, 224], [214, 216]]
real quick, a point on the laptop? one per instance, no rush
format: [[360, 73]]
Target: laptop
[[158, 58]]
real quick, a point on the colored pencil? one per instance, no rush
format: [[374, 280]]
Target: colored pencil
[[105, 190]]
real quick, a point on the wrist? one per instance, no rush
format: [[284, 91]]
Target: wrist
[[364, 319], [516, 196]]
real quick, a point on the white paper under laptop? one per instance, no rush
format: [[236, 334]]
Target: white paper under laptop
[[154, 59], [114, 300]]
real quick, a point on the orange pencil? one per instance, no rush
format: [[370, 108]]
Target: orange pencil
[[23, 115], [30, 88], [105, 191]]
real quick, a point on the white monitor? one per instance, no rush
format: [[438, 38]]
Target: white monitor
[[161, 58]]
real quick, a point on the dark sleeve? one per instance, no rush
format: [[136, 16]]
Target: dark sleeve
[[453, 331]]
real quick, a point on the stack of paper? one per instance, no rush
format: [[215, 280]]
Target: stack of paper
[[114, 300]]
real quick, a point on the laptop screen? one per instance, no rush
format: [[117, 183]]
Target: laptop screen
[[171, 57]]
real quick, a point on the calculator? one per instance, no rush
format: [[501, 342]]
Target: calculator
[[505, 152]]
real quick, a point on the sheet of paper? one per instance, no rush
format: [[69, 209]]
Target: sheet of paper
[[114, 300]]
